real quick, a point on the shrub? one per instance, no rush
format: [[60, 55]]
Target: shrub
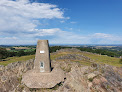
[[90, 79], [120, 61]]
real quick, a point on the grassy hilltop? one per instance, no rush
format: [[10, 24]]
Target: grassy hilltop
[[102, 59], [85, 71]]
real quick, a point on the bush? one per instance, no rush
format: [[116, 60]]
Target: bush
[[120, 61], [3, 53], [90, 79]]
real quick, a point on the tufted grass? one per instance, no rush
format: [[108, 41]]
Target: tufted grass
[[15, 59], [101, 59]]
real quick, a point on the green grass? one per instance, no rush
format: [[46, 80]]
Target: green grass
[[53, 57], [86, 63], [101, 59], [27, 50], [57, 55], [15, 59], [95, 57]]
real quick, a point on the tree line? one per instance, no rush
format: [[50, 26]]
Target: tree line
[[4, 53], [111, 53], [102, 51]]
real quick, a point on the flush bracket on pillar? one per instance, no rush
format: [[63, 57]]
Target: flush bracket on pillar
[[41, 66]]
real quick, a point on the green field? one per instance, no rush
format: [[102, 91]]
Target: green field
[[27, 50], [101, 59]]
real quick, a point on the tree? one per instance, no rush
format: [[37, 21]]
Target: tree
[[3, 53], [20, 53]]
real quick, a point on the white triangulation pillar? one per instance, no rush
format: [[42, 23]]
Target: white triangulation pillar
[[42, 59]]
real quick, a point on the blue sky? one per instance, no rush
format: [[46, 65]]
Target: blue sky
[[61, 21]]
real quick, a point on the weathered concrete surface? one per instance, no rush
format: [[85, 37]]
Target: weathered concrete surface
[[32, 79], [42, 45], [48, 79]]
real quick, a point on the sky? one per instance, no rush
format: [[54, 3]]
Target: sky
[[23, 22]]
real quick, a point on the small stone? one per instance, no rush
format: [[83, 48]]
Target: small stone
[[90, 84], [91, 76], [1, 67], [3, 78]]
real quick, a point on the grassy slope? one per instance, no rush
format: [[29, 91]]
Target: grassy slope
[[102, 59], [97, 58], [15, 59]]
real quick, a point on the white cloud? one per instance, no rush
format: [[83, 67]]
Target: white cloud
[[20, 23], [102, 38], [46, 32], [96, 38], [30, 10], [21, 15], [73, 22], [70, 28], [21, 19], [102, 35], [59, 36], [62, 21], [8, 38], [67, 18]]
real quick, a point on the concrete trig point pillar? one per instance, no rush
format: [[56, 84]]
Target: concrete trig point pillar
[[42, 58], [42, 76]]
